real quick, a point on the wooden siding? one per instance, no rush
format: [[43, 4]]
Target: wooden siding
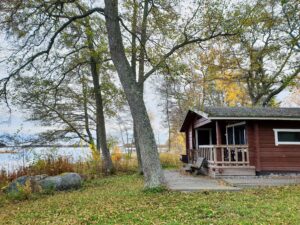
[[200, 122], [272, 157], [263, 153]]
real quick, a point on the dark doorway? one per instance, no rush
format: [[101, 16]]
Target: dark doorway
[[204, 137]]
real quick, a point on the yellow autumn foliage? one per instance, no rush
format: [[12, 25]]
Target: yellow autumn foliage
[[178, 142], [116, 154], [234, 92], [95, 153]]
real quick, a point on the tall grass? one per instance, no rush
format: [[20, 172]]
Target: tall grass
[[90, 169], [170, 160]]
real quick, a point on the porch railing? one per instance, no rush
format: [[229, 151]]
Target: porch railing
[[221, 155]]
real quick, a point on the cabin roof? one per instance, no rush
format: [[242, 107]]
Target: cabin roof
[[243, 113], [252, 112]]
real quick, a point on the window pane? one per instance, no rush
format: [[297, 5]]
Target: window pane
[[284, 136], [230, 135], [239, 135]]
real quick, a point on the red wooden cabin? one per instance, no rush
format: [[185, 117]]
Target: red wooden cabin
[[244, 141]]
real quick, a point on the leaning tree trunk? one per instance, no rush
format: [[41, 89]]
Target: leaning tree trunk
[[108, 166], [100, 126], [86, 115], [150, 158], [146, 141]]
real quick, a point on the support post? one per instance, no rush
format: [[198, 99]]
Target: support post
[[257, 147], [218, 134], [219, 143]]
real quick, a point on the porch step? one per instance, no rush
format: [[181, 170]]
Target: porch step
[[219, 171]]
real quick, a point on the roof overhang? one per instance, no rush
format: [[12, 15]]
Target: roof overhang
[[255, 118], [191, 114]]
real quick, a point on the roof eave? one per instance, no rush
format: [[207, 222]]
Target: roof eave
[[200, 113], [254, 118]]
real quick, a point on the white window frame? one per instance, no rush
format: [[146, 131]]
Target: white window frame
[[235, 125], [285, 142]]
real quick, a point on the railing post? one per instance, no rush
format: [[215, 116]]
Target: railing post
[[244, 151], [236, 156], [222, 155], [215, 155], [247, 155], [229, 153]]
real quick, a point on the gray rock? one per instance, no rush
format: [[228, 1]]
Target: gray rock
[[61, 182], [21, 182], [37, 183], [13, 186]]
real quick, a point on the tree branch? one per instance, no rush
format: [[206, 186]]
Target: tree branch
[[177, 47]]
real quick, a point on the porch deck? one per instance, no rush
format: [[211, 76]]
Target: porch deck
[[224, 160]]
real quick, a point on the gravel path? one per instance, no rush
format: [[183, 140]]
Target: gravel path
[[262, 181], [188, 183]]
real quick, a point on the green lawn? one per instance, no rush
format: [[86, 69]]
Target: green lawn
[[121, 200]]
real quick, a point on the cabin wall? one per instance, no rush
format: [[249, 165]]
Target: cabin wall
[[264, 154], [251, 143]]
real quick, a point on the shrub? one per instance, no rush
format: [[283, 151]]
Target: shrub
[[51, 166]]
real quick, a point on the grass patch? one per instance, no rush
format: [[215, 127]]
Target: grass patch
[[122, 200]]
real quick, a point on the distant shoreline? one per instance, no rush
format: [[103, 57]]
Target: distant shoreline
[[42, 146]]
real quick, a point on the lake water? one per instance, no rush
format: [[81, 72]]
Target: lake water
[[26, 156]]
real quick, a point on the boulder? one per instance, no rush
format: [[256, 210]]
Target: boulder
[[61, 182], [39, 183], [33, 181]]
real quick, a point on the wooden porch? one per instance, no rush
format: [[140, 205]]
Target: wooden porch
[[223, 160]]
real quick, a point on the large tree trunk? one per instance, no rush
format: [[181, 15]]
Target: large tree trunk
[[134, 94], [138, 150], [146, 141]]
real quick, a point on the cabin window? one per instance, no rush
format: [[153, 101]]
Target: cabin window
[[287, 136], [236, 134], [203, 137]]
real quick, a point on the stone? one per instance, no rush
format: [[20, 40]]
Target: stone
[[61, 182], [42, 182], [21, 182]]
